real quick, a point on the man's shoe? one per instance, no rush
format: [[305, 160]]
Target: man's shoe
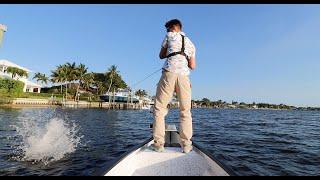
[[157, 148], [187, 149]]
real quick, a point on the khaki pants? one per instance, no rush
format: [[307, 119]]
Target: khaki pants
[[168, 84]]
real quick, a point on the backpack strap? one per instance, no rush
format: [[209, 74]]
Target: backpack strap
[[181, 51], [182, 48]]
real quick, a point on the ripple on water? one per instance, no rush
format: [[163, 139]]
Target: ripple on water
[[249, 142]]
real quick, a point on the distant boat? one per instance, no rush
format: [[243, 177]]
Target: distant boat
[[121, 96], [146, 107], [147, 103]]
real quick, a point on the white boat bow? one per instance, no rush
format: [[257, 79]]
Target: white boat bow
[[141, 161]]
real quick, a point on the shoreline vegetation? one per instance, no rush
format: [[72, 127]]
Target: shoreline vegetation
[[74, 84], [70, 82], [206, 103], [57, 100]]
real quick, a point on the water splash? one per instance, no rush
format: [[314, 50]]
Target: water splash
[[47, 141]]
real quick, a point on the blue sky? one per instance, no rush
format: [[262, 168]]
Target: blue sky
[[261, 53]]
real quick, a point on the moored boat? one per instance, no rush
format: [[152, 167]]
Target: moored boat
[[121, 96]]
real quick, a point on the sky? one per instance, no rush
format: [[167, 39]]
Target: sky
[[245, 53]]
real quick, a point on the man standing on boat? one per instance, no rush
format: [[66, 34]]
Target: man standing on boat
[[179, 52]]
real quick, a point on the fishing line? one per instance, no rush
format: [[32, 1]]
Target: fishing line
[[152, 74]]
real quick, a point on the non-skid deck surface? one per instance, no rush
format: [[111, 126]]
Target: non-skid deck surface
[[172, 162]]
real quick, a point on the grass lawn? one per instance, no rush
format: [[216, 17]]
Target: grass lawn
[[40, 96], [5, 95]]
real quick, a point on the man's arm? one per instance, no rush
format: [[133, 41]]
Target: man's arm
[[192, 63], [163, 53], [192, 57]]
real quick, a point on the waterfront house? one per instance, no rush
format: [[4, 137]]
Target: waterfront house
[[28, 85]]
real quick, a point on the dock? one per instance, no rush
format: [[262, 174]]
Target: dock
[[28, 102]]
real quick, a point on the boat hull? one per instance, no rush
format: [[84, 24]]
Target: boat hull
[[118, 99]]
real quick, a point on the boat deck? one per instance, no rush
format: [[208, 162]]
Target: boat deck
[[172, 162]]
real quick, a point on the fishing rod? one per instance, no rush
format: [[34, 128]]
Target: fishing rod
[[152, 74]]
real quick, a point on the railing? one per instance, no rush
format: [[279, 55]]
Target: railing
[[28, 101], [71, 104]]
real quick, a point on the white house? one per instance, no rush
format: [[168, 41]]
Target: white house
[[28, 85]]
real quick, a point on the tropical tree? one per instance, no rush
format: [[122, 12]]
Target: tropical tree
[[17, 72], [99, 81], [71, 69], [103, 82], [87, 81], [234, 103], [59, 76], [80, 72], [37, 76], [113, 71], [118, 82], [23, 73], [66, 74], [42, 78], [141, 93], [206, 102], [100, 87]]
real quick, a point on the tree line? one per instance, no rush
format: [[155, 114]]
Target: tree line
[[72, 77], [206, 102]]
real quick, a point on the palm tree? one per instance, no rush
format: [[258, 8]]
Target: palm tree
[[112, 72], [37, 76], [206, 102], [71, 71], [22, 73], [88, 81], [141, 93], [17, 72], [41, 78], [100, 87], [70, 74], [59, 76], [80, 72]]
